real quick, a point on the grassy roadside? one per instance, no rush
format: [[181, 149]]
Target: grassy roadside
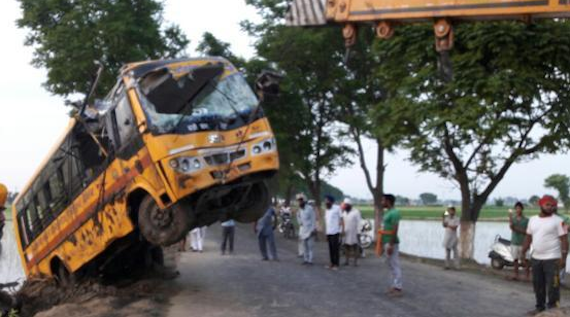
[[490, 213]]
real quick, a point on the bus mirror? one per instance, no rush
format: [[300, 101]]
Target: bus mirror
[[267, 85]]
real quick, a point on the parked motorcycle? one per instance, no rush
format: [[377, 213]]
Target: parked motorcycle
[[286, 226], [364, 238], [500, 253]]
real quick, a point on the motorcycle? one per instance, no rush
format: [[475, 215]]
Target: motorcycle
[[286, 226], [364, 238], [500, 253]]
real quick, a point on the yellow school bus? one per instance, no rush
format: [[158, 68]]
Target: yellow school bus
[[175, 145]]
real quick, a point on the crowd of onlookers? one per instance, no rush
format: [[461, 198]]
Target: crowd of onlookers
[[342, 228], [539, 244]]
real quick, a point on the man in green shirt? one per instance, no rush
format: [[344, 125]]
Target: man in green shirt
[[390, 241], [518, 224]]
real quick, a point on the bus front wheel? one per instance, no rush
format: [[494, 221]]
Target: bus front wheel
[[162, 226]]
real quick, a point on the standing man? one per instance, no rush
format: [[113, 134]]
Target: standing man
[[450, 223], [308, 223], [391, 242], [518, 224], [351, 220], [333, 222], [264, 229], [548, 237], [228, 231]]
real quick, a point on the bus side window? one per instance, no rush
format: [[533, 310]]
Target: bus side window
[[31, 221], [24, 231], [122, 128], [59, 199], [72, 179], [125, 119], [40, 210]]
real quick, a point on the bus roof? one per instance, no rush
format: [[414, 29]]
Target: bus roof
[[139, 69]]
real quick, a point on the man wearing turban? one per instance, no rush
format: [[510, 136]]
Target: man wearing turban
[[548, 237]]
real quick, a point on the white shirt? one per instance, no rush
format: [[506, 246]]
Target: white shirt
[[450, 237], [352, 221], [332, 220], [546, 233], [307, 221]]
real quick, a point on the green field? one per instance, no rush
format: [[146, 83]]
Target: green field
[[435, 212]]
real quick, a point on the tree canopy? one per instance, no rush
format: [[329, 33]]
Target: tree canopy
[[69, 35], [560, 183], [428, 198]]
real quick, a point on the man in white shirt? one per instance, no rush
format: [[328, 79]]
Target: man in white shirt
[[308, 227], [351, 219], [548, 237], [333, 221], [450, 223]]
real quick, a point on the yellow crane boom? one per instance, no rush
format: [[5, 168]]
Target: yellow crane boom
[[385, 14]]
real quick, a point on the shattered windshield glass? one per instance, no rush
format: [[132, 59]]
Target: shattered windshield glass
[[222, 105]]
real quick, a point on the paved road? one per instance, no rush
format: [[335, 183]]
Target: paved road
[[213, 285]]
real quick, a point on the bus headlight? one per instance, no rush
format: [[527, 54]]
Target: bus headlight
[[186, 164], [265, 146]]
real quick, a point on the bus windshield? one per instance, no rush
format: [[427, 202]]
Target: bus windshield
[[221, 105]]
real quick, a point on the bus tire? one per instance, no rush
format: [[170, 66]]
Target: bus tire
[[256, 203], [65, 278], [162, 227]]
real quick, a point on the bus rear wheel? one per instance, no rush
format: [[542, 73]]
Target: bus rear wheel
[[162, 227], [65, 278]]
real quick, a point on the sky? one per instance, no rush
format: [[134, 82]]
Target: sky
[[31, 119]]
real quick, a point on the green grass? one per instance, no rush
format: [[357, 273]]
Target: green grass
[[435, 212]]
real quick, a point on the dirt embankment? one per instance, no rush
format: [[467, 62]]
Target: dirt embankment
[[145, 297], [141, 293]]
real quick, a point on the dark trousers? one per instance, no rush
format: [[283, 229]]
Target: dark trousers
[[334, 248], [545, 277], [228, 235], [265, 239]]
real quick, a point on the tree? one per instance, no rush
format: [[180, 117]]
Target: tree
[[560, 183], [212, 46], [428, 198], [499, 202], [402, 201], [310, 61], [361, 91], [69, 35], [499, 109], [533, 200]]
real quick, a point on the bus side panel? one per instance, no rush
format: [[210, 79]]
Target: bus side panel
[[101, 229], [93, 237]]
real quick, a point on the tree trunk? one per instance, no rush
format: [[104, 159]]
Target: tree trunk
[[467, 239], [378, 191]]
